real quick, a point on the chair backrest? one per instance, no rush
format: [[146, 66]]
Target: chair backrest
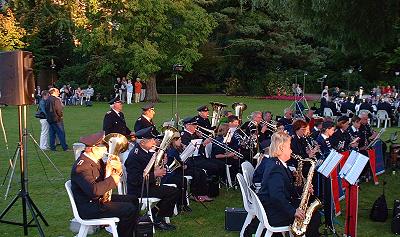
[[247, 202], [364, 111], [248, 172], [72, 201], [259, 208], [382, 114], [328, 112], [208, 150], [78, 148]]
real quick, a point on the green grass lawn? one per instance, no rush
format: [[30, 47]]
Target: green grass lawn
[[47, 190]]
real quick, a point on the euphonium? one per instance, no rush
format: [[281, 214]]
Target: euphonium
[[217, 112], [158, 159], [117, 143], [239, 108], [299, 227]]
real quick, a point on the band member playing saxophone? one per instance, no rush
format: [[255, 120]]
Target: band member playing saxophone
[[88, 184], [278, 193]]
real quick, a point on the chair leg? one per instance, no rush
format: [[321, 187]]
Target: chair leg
[[379, 123], [114, 229], [249, 217], [385, 126], [83, 230], [228, 175], [260, 229]]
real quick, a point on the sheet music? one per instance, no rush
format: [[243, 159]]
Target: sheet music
[[229, 135], [330, 163], [357, 168], [349, 163], [188, 152], [196, 143], [168, 124]]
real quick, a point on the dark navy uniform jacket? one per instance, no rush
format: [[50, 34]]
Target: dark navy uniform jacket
[[186, 137], [142, 122], [113, 123], [88, 182], [135, 164], [340, 140], [203, 122], [278, 193], [324, 145]]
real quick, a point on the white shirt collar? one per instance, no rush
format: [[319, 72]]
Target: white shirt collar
[[115, 111], [324, 136], [283, 163], [147, 118], [354, 129]]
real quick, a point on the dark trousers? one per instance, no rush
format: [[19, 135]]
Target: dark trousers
[[125, 207], [199, 185], [207, 164], [168, 195], [57, 129], [324, 193], [181, 184]]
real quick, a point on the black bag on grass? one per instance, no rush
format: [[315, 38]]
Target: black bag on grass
[[379, 211], [396, 224], [144, 226]]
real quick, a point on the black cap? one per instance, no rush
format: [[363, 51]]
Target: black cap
[[92, 139], [202, 108], [148, 106], [116, 99], [327, 124], [189, 120], [343, 118], [146, 133]]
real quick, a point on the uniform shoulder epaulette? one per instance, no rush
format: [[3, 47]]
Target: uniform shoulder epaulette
[[108, 112], [136, 150], [182, 133], [140, 118], [80, 162]]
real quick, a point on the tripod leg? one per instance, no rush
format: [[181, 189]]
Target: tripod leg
[[29, 204], [44, 153], [12, 165], [37, 211], [9, 206], [12, 172]]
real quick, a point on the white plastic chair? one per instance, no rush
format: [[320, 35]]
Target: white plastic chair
[[382, 116], [208, 149], [262, 217], [83, 230], [78, 148], [328, 112], [248, 172], [247, 202]]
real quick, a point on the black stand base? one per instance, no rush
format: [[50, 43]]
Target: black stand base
[[35, 212], [328, 231]]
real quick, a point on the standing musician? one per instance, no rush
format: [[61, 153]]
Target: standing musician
[[89, 184], [199, 186], [146, 119], [324, 189], [354, 129], [114, 120], [341, 139], [278, 193], [135, 165], [366, 132], [299, 143]]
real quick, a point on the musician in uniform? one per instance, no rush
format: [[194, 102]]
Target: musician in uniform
[[202, 118], [287, 118], [146, 119], [340, 139], [252, 131], [89, 184], [354, 129], [299, 144], [138, 159], [278, 194], [114, 120]]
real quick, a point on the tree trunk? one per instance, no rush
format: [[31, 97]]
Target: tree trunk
[[151, 90]]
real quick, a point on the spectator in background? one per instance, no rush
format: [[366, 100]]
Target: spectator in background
[[89, 92], [44, 125], [143, 92], [123, 89], [38, 95], [54, 115], [129, 92], [138, 90], [117, 87]]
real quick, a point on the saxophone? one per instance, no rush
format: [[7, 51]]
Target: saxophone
[[299, 227], [299, 179]]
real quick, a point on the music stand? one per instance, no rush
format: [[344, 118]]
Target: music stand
[[23, 193], [350, 172]]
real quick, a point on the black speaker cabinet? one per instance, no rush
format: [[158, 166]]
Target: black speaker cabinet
[[17, 84], [234, 218]]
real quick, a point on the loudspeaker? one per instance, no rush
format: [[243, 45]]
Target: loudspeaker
[[234, 218], [17, 84]]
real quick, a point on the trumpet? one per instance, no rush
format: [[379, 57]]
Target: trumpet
[[220, 144], [271, 126], [174, 165]]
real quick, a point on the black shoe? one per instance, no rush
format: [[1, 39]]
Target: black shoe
[[186, 209], [162, 225], [172, 227]]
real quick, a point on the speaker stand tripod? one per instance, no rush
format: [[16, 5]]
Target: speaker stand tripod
[[27, 202]]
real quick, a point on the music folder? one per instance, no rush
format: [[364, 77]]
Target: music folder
[[330, 163], [192, 149], [353, 167]]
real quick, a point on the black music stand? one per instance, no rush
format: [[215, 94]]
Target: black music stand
[[350, 172], [23, 193]]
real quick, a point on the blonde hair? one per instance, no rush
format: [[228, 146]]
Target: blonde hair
[[277, 140]]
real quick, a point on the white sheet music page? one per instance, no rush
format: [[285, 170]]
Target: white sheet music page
[[355, 171], [196, 143], [349, 163], [188, 152], [332, 163], [325, 163]]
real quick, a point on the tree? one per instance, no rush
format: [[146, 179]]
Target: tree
[[143, 35], [11, 33]]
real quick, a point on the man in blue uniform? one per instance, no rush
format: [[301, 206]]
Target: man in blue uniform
[[135, 165], [89, 184], [202, 118], [114, 120], [146, 119]]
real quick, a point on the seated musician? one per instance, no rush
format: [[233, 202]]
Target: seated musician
[[199, 186], [299, 145], [202, 117], [277, 193], [146, 119], [287, 117], [354, 129], [190, 133], [260, 167], [89, 184], [221, 155], [135, 165], [114, 120], [252, 129]]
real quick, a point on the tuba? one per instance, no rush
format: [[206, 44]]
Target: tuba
[[299, 227], [217, 112], [117, 143], [239, 108], [158, 159]]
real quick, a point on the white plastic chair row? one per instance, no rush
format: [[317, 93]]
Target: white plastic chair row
[[382, 116]]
